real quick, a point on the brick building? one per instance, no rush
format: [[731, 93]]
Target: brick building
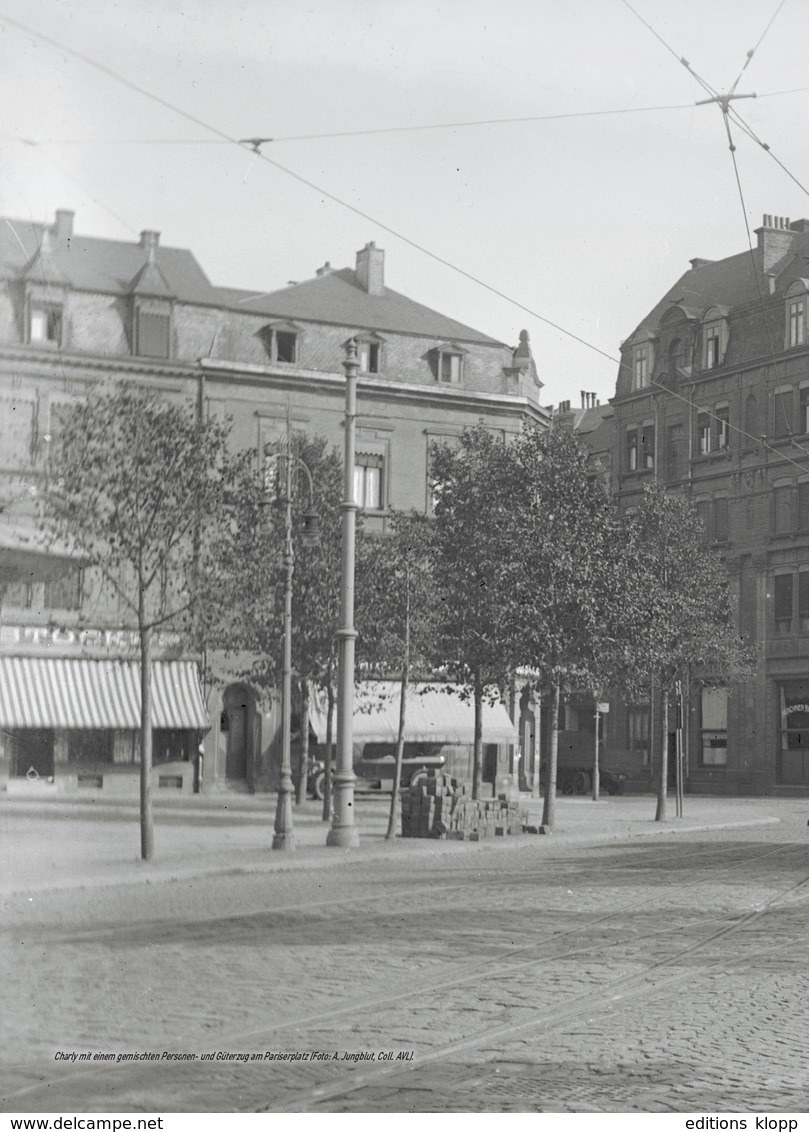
[[77, 310], [712, 398]]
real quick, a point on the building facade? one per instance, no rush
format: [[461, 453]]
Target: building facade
[[712, 399], [76, 311]]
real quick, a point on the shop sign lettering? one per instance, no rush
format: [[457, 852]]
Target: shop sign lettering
[[47, 640]]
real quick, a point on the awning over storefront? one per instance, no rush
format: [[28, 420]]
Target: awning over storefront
[[77, 693], [433, 716]]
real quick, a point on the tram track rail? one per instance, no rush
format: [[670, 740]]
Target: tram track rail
[[544, 949]]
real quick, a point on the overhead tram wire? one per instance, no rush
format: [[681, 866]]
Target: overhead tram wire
[[723, 101], [366, 216]]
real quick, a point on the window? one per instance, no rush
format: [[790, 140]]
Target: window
[[152, 332], [647, 444], [793, 728], [281, 341], [783, 406], [783, 603], [450, 367], [286, 346], [45, 324], [714, 746], [631, 449], [712, 347], [637, 724], [704, 438], [720, 520], [722, 428], [782, 508], [368, 482], [640, 373], [796, 321], [18, 595], [803, 600], [368, 354], [803, 506], [803, 419], [64, 592]]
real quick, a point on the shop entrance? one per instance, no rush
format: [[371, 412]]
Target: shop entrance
[[32, 753], [234, 727]]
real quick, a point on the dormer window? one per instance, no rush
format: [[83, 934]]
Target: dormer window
[[449, 364], [152, 329], [282, 342], [369, 353], [715, 335], [796, 314], [45, 324], [641, 366]]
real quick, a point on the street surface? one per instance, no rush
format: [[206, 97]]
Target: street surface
[[669, 973]]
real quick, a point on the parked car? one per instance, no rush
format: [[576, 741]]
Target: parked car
[[579, 779], [374, 767]]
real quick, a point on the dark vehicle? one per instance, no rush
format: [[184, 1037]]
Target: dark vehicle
[[375, 763], [579, 779]]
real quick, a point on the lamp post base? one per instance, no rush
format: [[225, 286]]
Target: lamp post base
[[343, 837], [284, 835]]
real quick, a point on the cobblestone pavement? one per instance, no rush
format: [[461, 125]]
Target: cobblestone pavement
[[668, 975]]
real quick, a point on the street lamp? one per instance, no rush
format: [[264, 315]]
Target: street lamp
[[284, 836], [343, 832]]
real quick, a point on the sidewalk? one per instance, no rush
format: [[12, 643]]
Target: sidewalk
[[68, 843]]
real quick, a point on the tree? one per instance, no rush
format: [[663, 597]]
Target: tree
[[475, 490], [687, 624], [251, 583], [135, 485], [568, 578], [396, 615]]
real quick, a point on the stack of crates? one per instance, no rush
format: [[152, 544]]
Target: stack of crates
[[442, 808]]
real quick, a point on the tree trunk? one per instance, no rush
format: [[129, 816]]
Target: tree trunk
[[329, 739], [397, 767], [662, 784], [146, 826], [303, 769], [549, 809], [477, 750]]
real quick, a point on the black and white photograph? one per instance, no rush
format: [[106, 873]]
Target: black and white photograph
[[404, 563]]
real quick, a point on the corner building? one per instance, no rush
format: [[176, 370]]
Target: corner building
[[712, 398], [76, 310]]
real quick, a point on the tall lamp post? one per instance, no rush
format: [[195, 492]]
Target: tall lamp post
[[343, 832], [284, 835]]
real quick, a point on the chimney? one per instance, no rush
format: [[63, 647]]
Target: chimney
[[698, 261], [64, 225], [371, 269], [774, 239], [149, 241], [326, 269]]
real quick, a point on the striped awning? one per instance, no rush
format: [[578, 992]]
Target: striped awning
[[78, 693]]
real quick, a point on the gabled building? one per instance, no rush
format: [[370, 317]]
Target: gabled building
[[712, 398], [75, 311]]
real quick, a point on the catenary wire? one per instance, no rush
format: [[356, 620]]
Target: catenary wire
[[381, 224]]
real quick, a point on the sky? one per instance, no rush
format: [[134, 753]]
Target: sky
[[570, 225]]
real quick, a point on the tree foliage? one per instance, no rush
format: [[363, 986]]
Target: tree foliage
[[135, 485], [475, 488], [685, 625], [396, 615]]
